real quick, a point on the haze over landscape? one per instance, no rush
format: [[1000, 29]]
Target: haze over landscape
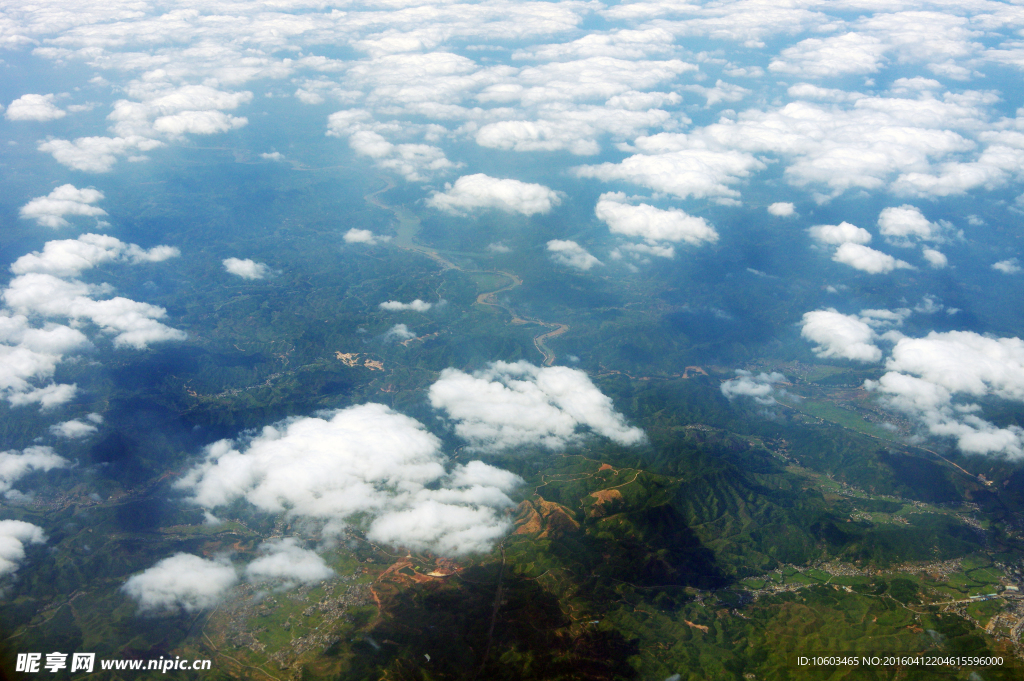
[[525, 340]]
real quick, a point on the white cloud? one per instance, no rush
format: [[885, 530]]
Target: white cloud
[[15, 465], [49, 210], [174, 111], [414, 162], [182, 581], [34, 108], [132, 323], [399, 332], [246, 269], [396, 306], [936, 259], [1010, 266], [900, 225], [47, 397], [95, 154], [14, 534], [808, 91], [653, 224], [498, 247], [760, 387], [928, 378], [830, 57], [840, 335], [866, 142], [782, 209], [272, 156], [74, 429], [842, 233], [29, 354], [722, 92], [70, 257], [867, 259], [364, 236], [574, 128], [481, 191], [44, 289], [198, 123], [284, 560], [641, 250], [514, 404], [664, 167], [571, 254], [365, 464], [887, 318]]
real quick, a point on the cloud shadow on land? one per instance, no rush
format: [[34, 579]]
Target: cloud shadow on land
[[450, 622]]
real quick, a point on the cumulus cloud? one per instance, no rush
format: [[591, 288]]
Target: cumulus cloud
[[782, 209], [936, 259], [365, 464], [842, 233], [760, 387], [913, 146], [157, 110], [96, 154], [482, 191], [399, 332], [283, 560], [70, 257], [246, 269], [414, 162], [197, 123], [396, 306], [830, 57], [868, 260], [653, 224], [44, 289], [14, 534], [692, 170], [1010, 266], [49, 210], [900, 225], [933, 378], [364, 236], [181, 582], [76, 429], [514, 404], [34, 108], [840, 335], [571, 254], [15, 464]]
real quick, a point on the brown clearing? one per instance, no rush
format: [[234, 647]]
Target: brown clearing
[[697, 626], [603, 495], [546, 517]]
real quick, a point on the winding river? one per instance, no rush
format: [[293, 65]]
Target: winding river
[[409, 226]]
